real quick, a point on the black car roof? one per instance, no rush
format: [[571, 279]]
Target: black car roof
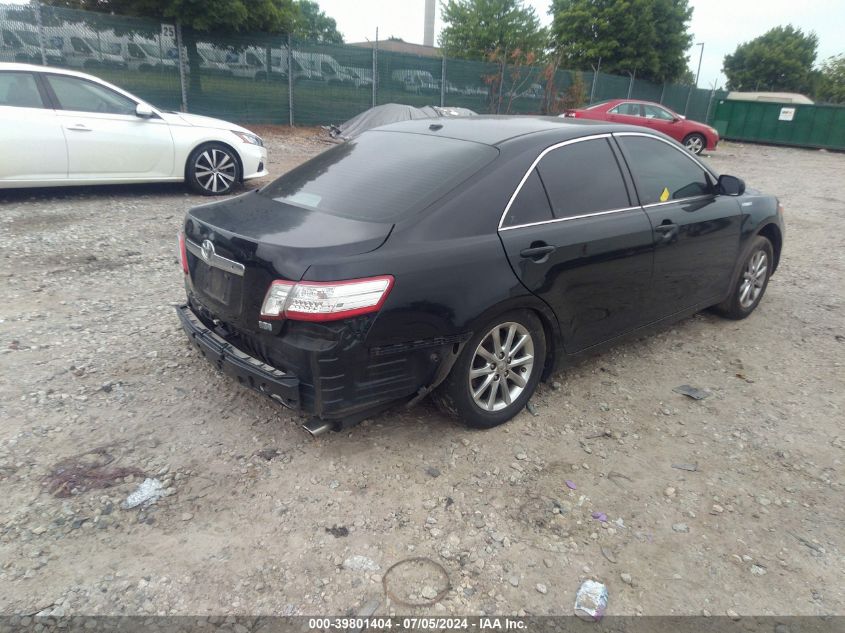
[[494, 130]]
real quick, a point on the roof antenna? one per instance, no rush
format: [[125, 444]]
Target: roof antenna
[[435, 126]]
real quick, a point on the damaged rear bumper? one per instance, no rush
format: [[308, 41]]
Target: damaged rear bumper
[[247, 370]]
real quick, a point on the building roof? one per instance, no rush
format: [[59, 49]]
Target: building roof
[[396, 46], [770, 97]]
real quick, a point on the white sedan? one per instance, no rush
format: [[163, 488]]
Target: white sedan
[[59, 127]]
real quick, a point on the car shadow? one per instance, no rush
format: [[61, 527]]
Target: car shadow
[[34, 194]]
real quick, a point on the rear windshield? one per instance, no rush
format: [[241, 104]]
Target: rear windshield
[[381, 176]]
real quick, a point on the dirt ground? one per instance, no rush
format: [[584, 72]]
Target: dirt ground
[[97, 380]]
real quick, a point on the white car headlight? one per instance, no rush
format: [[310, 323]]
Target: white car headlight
[[246, 137]]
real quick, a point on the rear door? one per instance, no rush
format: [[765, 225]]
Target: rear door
[[33, 142], [575, 239], [105, 138], [696, 231]]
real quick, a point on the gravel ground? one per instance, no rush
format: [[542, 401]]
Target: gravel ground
[[99, 389]]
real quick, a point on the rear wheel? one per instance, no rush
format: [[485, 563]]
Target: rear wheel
[[497, 371], [750, 284], [695, 143], [212, 169]]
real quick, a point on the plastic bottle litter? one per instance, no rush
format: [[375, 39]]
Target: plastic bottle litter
[[147, 493], [591, 600]]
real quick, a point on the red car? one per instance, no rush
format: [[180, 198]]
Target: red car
[[695, 136]]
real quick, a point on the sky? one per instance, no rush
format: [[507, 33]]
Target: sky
[[720, 24]]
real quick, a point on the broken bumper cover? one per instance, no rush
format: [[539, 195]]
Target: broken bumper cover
[[247, 370]]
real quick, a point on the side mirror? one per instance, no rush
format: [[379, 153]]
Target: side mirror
[[144, 111], [731, 185]]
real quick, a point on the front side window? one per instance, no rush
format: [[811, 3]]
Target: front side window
[[583, 178], [661, 172], [135, 51], [19, 90], [81, 95], [656, 112], [79, 46], [531, 203]]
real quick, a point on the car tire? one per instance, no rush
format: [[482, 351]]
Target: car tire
[[751, 281], [481, 390], [213, 169], [695, 143]]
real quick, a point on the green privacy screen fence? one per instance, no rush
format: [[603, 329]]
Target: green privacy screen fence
[[262, 78], [820, 126]]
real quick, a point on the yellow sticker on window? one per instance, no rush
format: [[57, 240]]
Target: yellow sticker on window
[[664, 196]]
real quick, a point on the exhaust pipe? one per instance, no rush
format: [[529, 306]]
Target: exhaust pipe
[[316, 427]]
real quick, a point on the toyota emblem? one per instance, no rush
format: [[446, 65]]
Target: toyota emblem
[[207, 250]]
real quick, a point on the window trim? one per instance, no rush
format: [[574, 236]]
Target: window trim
[[677, 148], [536, 162]]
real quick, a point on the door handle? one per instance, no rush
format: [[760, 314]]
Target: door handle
[[79, 128], [668, 230], [538, 251]]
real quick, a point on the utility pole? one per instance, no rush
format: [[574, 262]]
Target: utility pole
[[596, 70], [700, 57]]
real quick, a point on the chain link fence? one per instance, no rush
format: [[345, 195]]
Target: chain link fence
[[263, 78]]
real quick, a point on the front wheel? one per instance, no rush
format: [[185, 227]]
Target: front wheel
[[751, 282], [212, 169], [695, 143], [497, 371]]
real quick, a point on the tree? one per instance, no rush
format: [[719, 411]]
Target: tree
[[781, 59], [313, 24], [477, 29], [215, 17], [649, 37], [831, 86]]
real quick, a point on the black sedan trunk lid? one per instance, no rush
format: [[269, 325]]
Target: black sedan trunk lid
[[270, 240]]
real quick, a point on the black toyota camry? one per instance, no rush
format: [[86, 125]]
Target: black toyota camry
[[466, 259]]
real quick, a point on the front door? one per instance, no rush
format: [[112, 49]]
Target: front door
[[696, 231], [574, 239], [33, 141], [105, 138]]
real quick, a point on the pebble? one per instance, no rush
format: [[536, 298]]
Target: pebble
[[669, 492], [626, 578], [428, 593], [187, 516], [360, 563], [680, 527], [733, 615], [514, 580]]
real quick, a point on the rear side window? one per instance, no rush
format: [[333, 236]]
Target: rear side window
[[381, 176], [19, 90], [81, 95], [661, 172], [530, 205], [629, 109], [583, 178]]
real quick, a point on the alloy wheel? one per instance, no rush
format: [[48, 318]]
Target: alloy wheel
[[501, 366], [215, 170], [694, 144], [753, 279]]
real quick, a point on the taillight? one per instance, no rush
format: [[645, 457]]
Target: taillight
[[183, 253], [325, 301]]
